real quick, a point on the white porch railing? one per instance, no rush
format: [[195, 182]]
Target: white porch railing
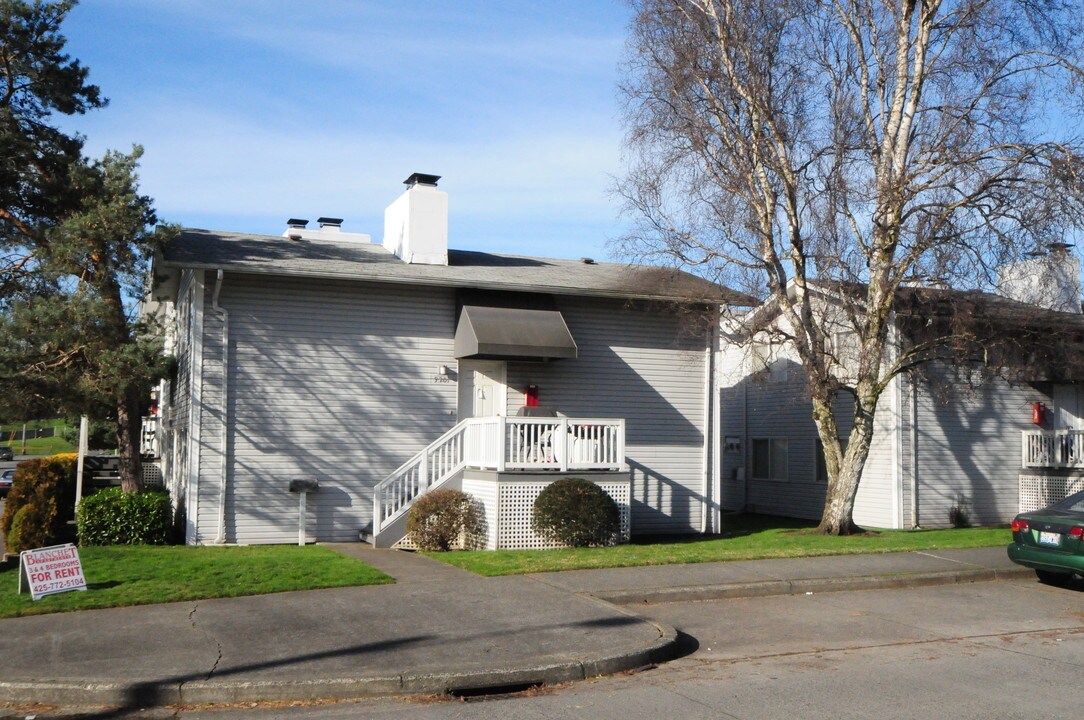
[[501, 443], [1052, 449]]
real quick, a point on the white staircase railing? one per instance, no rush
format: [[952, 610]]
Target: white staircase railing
[[1052, 448], [500, 443]]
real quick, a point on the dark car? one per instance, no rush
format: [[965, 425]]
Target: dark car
[[6, 453], [6, 479], [1051, 540]]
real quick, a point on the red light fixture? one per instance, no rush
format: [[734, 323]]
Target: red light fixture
[[1077, 532], [1019, 524]]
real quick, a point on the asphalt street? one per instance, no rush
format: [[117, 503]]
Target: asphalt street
[[979, 650]]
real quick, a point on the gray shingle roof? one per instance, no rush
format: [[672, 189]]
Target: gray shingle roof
[[355, 260]]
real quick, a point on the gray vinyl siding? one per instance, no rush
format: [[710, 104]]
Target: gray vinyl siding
[[338, 381], [206, 450], [767, 406], [331, 381], [641, 365], [181, 387], [876, 504], [968, 449]]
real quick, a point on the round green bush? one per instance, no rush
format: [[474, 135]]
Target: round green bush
[[40, 504], [441, 519], [114, 517], [576, 512]]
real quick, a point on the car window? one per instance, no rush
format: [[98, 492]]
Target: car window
[[1073, 503]]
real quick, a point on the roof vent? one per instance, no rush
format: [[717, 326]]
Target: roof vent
[[421, 179], [330, 223], [296, 223], [587, 261]]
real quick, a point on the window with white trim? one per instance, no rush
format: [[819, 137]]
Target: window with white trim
[[770, 459]]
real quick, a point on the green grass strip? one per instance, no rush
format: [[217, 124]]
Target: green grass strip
[[139, 575], [746, 537]]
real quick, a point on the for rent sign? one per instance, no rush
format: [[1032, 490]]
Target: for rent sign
[[51, 570]]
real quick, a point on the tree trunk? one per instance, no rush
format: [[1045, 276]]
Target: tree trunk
[[129, 428], [837, 518]]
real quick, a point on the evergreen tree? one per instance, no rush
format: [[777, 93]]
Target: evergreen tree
[[75, 243]]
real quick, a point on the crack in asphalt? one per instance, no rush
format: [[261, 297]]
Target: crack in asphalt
[[218, 645]]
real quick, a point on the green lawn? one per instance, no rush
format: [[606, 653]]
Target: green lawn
[[747, 537], [139, 575], [35, 446]]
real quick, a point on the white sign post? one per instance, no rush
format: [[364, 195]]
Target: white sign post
[[51, 570]]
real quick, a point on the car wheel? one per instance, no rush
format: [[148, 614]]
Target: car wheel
[[1052, 578]]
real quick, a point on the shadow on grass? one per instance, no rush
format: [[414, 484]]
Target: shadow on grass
[[734, 526]]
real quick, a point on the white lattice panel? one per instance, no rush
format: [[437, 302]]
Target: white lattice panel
[[485, 497], [152, 475], [515, 501], [1038, 491]]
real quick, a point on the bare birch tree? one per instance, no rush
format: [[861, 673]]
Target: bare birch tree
[[828, 151]]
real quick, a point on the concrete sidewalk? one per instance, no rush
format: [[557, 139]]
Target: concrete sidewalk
[[437, 630]]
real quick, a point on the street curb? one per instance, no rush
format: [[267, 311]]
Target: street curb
[[666, 647], [766, 588], [149, 694]]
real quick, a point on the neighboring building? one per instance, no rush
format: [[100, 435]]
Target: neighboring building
[[320, 355], [947, 446]]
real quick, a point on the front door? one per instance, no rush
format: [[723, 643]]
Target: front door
[[1068, 407], [482, 391]]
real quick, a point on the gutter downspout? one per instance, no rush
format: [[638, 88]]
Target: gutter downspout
[[708, 457], [224, 314], [914, 450]]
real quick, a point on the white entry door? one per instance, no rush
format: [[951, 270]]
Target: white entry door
[[482, 391], [1068, 407]]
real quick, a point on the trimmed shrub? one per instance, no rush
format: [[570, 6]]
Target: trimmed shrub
[[40, 504], [442, 519], [576, 512], [114, 517]]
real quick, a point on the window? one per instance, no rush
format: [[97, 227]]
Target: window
[[766, 360], [769, 459]]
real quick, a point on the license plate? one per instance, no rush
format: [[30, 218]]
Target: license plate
[[1049, 538]]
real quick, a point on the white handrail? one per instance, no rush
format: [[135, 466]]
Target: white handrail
[[1052, 448], [501, 443]]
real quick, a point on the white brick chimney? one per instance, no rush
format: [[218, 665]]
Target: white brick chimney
[[416, 224], [1050, 281]]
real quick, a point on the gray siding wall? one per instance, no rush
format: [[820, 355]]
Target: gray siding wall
[[877, 502], [335, 380], [181, 387], [968, 449], [767, 406], [329, 380], [641, 365], [777, 408]]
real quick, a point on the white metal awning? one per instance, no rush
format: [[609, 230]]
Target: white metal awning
[[513, 334]]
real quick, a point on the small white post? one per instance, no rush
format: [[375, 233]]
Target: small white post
[[301, 519], [502, 432], [83, 433]]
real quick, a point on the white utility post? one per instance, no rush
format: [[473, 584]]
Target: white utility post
[[83, 433]]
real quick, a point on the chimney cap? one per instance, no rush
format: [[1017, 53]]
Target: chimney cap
[[422, 179], [296, 222], [329, 221]]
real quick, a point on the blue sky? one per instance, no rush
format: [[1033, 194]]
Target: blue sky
[[253, 111]]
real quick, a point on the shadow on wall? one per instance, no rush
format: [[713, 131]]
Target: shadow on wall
[[772, 406], [968, 440], [660, 504], [345, 405], [968, 446]]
